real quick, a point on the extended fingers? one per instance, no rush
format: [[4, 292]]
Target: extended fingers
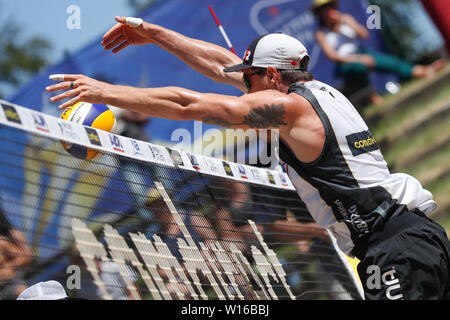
[[114, 42], [69, 103], [112, 37], [65, 77], [60, 86], [123, 45], [66, 94], [111, 33]]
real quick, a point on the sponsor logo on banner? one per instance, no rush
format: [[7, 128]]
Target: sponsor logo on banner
[[213, 166], [116, 143], [176, 157], [242, 172], [93, 136], [194, 162], [271, 178], [227, 168], [39, 122], [11, 113], [136, 148], [284, 182], [361, 142], [66, 130], [157, 153], [257, 176]]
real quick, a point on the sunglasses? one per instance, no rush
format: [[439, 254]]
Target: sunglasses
[[246, 78]]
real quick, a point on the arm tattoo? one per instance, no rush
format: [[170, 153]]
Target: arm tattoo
[[269, 116], [260, 117], [217, 120]]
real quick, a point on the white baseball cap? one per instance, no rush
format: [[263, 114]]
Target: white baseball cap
[[274, 49], [48, 290]]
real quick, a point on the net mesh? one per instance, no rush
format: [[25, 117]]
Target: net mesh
[[117, 227]]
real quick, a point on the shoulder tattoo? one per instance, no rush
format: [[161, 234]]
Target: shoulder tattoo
[[260, 117]]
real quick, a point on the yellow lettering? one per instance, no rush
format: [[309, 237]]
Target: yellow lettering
[[11, 115], [364, 143], [93, 137]]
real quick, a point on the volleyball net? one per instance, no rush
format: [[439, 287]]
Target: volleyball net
[[144, 221]]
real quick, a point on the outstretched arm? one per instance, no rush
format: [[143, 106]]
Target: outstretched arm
[[269, 109], [207, 58]]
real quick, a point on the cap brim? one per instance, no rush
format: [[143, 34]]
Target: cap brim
[[237, 67]]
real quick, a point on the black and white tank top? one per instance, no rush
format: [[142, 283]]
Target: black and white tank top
[[348, 189]]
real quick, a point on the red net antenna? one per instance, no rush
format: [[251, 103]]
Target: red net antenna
[[222, 30]]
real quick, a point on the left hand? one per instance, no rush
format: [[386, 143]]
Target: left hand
[[122, 35], [80, 88]]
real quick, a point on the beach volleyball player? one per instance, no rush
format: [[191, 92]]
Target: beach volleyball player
[[331, 156]]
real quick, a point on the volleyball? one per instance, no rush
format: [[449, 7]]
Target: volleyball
[[94, 115]]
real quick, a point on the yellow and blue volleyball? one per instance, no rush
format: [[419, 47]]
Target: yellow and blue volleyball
[[94, 115]]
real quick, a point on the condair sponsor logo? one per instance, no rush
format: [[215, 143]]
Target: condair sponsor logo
[[364, 143], [361, 142]]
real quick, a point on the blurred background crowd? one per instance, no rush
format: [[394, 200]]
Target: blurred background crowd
[[388, 57]]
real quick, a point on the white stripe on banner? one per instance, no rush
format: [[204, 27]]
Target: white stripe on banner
[[36, 122]]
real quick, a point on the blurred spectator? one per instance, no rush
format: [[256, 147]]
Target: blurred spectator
[[132, 125], [270, 211], [439, 11], [113, 281], [283, 219], [270, 206], [215, 221], [14, 255], [339, 36], [409, 32]]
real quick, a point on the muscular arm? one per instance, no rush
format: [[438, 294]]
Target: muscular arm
[[268, 109], [261, 110], [207, 58]]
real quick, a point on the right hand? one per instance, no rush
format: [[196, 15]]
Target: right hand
[[79, 88], [122, 35]]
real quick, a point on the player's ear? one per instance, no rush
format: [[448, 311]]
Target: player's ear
[[272, 76]]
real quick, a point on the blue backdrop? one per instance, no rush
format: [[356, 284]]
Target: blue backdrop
[[147, 66], [150, 66]]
